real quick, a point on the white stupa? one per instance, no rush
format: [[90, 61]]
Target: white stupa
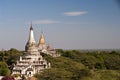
[[31, 62]]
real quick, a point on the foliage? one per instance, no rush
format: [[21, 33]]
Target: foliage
[[3, 65], [54, 74], [95, 59], [63, 69], [113, 63], [63, 62], [7, 59], [10, 57], [106, 75], [4, 71], [71, 65], [82, 65]]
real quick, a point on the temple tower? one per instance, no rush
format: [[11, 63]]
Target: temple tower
[[31, 39], [32, 61], [42, 41], [31, 45], [41, 44]]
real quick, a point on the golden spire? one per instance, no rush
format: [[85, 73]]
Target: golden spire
[[42, 41]]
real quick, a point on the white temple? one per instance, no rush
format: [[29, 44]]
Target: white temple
[[32, 62]]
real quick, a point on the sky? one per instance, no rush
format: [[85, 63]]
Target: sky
[[67, 24]]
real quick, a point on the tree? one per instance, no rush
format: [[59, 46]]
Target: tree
[[89, 61], [113, 63], [54, 74], [4, 71], [3, 65], [79, 74]]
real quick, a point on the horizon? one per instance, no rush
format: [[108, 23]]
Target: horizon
[[76, 24]]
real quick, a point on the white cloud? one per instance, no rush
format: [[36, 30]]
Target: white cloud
[[45, 22], [76, 13]]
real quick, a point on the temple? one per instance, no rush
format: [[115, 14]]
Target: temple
[[32, 62], [42, 47]]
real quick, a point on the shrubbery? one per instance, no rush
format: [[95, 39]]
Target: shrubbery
[[71, 65], [4, 71], [82, 65]]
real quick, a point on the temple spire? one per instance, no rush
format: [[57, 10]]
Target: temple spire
[[31, 44], [31, 28], [41, 41], [31, 35]]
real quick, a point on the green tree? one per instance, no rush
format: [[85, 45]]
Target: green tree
[[113, 63], [79, 74], [89, 61], [54, 74], [4, 71]]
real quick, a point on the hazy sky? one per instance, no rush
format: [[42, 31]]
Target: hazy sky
[[67, 24]]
